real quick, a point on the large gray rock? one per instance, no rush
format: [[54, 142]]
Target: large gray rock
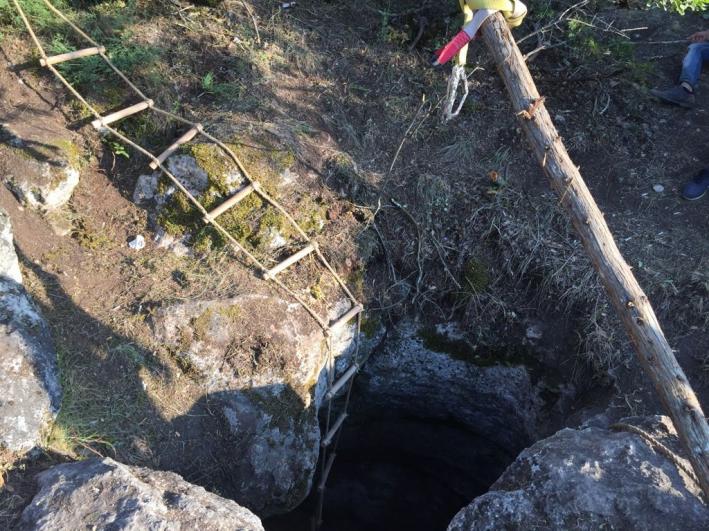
[[259, 362], [592, 478], [9, 265], [31, 394], [424, 375], [104, 494], [40, 158], [40, 165], [251, 340]]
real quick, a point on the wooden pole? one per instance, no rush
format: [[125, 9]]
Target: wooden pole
[[638, 317]]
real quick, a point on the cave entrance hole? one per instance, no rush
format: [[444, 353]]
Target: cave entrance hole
[[399, 469]]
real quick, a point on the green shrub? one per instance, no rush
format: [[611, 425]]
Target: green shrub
[[680, 6]]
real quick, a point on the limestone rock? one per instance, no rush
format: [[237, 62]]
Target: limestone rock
[[591, 478], [31, 393], [40, 166], [9, 265], [43, 187], [187, 171], [276, 466], [40, 158], [259, 359], [432, 423], [104, 494], [496, 400], [251, 340]]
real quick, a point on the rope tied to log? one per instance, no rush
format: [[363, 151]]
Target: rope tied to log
[[475, 12], [658, 447]]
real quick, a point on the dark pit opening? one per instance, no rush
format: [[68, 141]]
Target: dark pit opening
[[427, 433], [401, 471]]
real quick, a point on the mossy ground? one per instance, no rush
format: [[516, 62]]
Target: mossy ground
[[253, 222], [483, 356]]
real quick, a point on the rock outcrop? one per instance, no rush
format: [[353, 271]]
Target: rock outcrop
[[104, 494], [427, 374], [211, 176], [31, 393], [592, 478], [41, 165], [40, 158], [259, 361]]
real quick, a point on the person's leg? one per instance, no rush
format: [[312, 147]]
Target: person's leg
[[697, 54], [683, 93]]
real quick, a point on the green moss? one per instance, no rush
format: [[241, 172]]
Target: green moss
[[212, 159], [252, 221], [231, 313], [200, 325], [455, 348], [356, 281], [88, 237], [461, 349], [179, 215], [311, 215], [51, 151], [475, 276], [316, 292], [370, 326], [73, 153]]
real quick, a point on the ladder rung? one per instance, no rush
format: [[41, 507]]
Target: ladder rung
[[113, 117], [233, 200], [305, 251], [189, 135], [333, 431], [326, 472], [346, 317], [341, 381], [86, 52]]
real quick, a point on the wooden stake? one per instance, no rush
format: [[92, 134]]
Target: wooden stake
[[327, 440], [341, 381], [326, 473], [636, 313], [357, 308]]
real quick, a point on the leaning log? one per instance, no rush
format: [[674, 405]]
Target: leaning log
[[631, 303]]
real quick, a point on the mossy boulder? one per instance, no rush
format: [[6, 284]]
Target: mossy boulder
[[259, 359], [211, 176], [41, 167]]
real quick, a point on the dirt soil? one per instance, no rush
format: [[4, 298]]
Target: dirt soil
[[442, 221]]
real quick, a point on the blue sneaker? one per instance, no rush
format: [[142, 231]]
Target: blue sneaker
[[677, 95], [697, 187]]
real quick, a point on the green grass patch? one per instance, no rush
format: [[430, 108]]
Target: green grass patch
[[37, 12]]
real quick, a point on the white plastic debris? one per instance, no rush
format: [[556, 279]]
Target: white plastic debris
[[137, 243], [658, 188], [286, 5]]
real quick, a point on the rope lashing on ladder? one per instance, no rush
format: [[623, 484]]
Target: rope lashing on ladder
[[475, 12]]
